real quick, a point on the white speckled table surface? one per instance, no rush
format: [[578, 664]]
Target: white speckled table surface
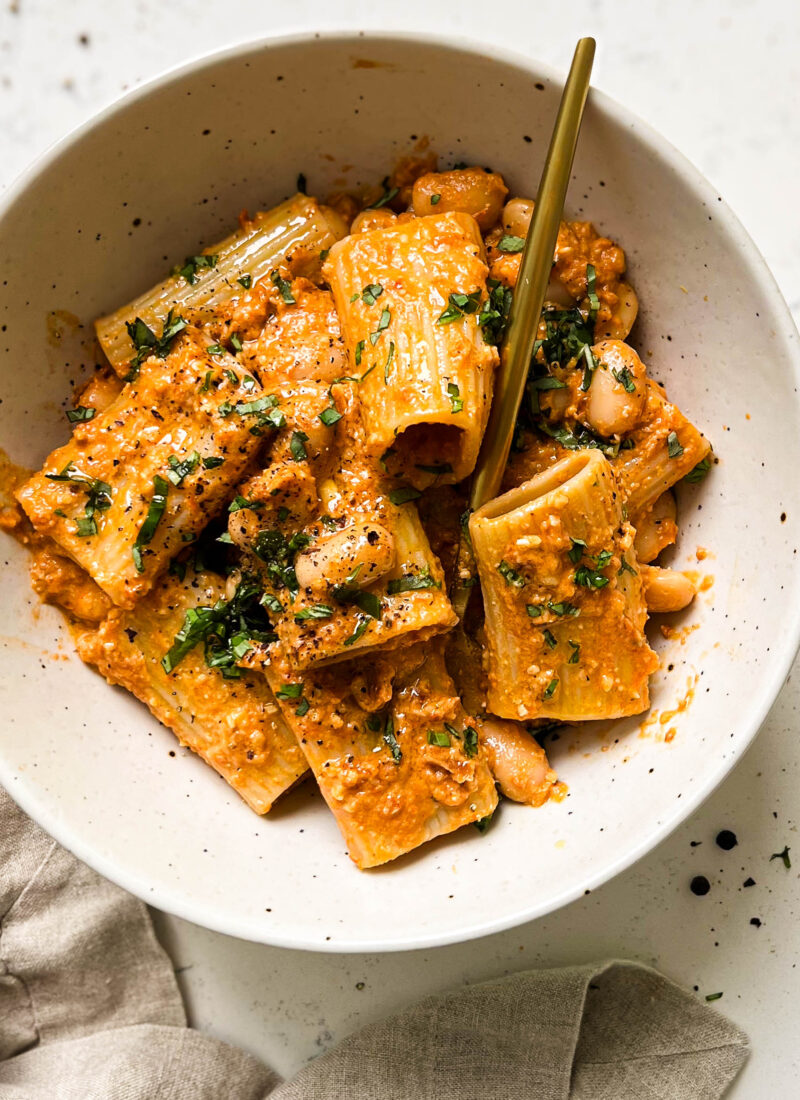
[[720, 81]]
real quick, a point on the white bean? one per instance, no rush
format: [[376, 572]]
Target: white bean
[[666, 589], [621, 322], [373, 219], [364, 548], [656, 528], [517, 214], [516, 760], [466, 190], [618, 391]]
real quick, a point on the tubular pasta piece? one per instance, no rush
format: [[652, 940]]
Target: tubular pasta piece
[[563, 598], [427, 394], [235, 725], [261, 245]]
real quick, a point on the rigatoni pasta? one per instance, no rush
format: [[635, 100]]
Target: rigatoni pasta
[[410, 297], [564, 607], [260, 514]]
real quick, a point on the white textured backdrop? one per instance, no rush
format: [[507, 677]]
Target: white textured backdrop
[[721, 81]]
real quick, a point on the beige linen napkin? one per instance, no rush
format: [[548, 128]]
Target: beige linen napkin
[[90, 1010]]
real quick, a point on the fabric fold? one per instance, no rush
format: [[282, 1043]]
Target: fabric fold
[[90, 1010]]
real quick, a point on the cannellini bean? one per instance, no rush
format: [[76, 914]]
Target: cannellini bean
[[373, 219], [101, 390], [467, 190], [517, 214], [516, 760], [616, 397], [366, 547], [666, 589], [621, 321], [656, 528]]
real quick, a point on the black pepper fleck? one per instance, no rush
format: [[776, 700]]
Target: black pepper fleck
[[700, 885], [726, 840]]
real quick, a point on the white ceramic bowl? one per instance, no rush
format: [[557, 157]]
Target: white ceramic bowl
[[167, 169]]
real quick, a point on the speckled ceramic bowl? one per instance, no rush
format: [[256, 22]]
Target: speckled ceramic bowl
[[169, 168]]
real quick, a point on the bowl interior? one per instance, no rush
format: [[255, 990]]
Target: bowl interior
[[168, 170]]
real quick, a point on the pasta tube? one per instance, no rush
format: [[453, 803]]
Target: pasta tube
[[140, 480], [343, 556], [409, 297], [665, 448], [228, 718], [391, 748], [212, 279], [563, 597]]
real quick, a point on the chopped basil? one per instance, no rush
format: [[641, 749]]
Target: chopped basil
[[302, 707], [493, 316], [272, 602], [548, 383], [698, 472], [315, 611], [674, 448], [435, 200], [278, 554], [456, 400], [510, 575], [386, 317], [591, 292], [576, 553], [511, 244], [330, 416], [391, 741], [536, 610], [158, 503], [246, 281], [589, 368], [236, 341], [549, 638], [437, 468], [413, 582], [211, 462], [470, 741], [439, 737], [359, 631], [371, 293], [784, 856], [388, 194], [549, 691], [147, 343], [241, 504], [576, 652], [625, 379], [298, 451], [283, 286], [626, 567], [359, 352], [589, 578], [713, 996], [290, 691], [224, 629], [80, 414], [206, 386], [603, 558], [389, 359], [403, 493], [98, 497], [484, 824], [181, 468], [216, 349], [458, 306], [193, 264]]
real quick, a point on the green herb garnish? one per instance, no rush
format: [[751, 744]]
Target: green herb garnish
[[158, 502], [510, 575], [458, 306], [193, 264], [81, 414], [511, 244], [674, 448]]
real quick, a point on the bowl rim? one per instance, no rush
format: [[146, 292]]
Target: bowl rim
[[178, 903]]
